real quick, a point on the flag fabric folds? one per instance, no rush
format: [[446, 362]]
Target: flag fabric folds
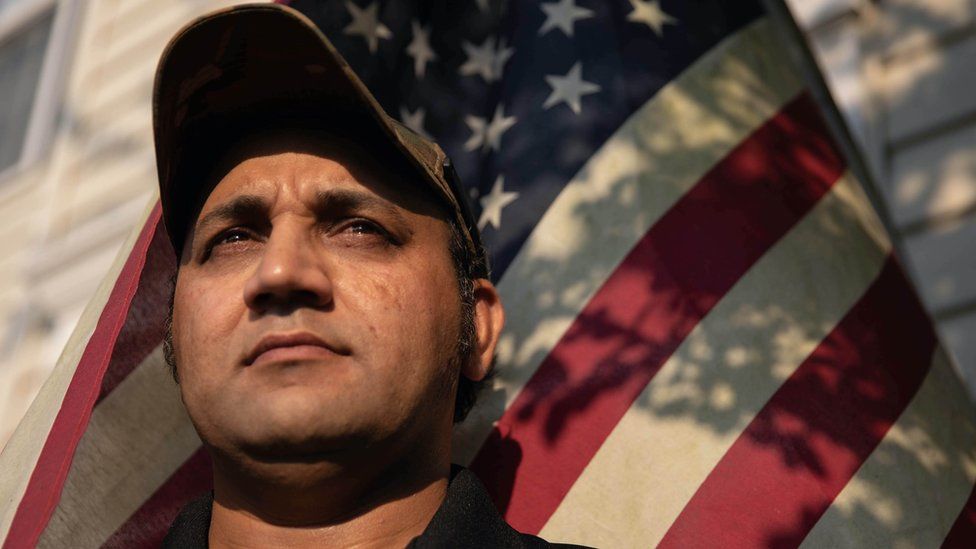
[[709, 340]]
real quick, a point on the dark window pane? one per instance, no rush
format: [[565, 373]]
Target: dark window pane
[[21, 55]]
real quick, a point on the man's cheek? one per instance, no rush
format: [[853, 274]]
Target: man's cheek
[[202, 331], [374, 300], [379, 286]]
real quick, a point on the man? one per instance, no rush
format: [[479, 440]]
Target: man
[[332, 314]]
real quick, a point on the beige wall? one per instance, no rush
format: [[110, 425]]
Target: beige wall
[[904, 71]]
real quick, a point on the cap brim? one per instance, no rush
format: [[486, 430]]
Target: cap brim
[[221, 73]]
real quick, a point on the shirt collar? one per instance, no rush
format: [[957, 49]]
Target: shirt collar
[[466, 518]]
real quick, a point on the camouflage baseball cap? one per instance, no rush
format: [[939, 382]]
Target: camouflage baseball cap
[[248, 67]]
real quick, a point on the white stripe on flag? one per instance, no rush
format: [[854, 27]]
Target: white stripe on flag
[[138, 435], [915, 483], [653, 159], [722, 374], [19, 456]]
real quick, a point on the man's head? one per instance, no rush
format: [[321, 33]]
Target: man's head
[[319, 305], [331, 292]]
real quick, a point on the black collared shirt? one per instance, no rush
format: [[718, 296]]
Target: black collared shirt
[[467, 518]]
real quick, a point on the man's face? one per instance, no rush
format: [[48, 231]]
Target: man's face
[[316, 307]]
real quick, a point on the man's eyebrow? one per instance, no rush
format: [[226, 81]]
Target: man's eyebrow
[[347, 200], [246, 206]]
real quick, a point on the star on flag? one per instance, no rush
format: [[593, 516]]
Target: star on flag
[[485, 134], [649, 12], [487, 60], [562, 15], [493, 202], [365, 23], [415, 120], [569, 89], [419, 49]]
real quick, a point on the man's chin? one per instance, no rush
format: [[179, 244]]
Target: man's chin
[[296, 434], [298, 448]]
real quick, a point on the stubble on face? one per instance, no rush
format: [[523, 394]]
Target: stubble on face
[[313, 239]]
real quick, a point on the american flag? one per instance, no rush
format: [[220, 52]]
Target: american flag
[[709, 342]]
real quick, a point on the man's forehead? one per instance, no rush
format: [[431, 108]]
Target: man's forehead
[[273, 140], [269, 175], [293, 149], [307, 163]]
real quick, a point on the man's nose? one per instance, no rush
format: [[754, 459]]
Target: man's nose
[[289, 275]]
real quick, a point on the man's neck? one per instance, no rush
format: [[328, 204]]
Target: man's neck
[[324, 509]]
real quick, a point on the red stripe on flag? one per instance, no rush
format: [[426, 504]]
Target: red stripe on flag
[[46, 480], [148, 525], [806, 443], [145, 320], [962, 535], [667, 283]]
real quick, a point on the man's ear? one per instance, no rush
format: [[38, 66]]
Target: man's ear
[[489, 319]]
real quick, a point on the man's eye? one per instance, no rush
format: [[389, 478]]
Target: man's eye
[[229, 237], [362, 231], [363, 226], [228, 241]]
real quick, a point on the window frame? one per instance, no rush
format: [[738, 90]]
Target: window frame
[[46, 106]]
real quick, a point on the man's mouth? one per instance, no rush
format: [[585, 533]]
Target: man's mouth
[[285, 347]]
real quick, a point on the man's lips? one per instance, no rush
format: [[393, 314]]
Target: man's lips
[[291, 346]]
